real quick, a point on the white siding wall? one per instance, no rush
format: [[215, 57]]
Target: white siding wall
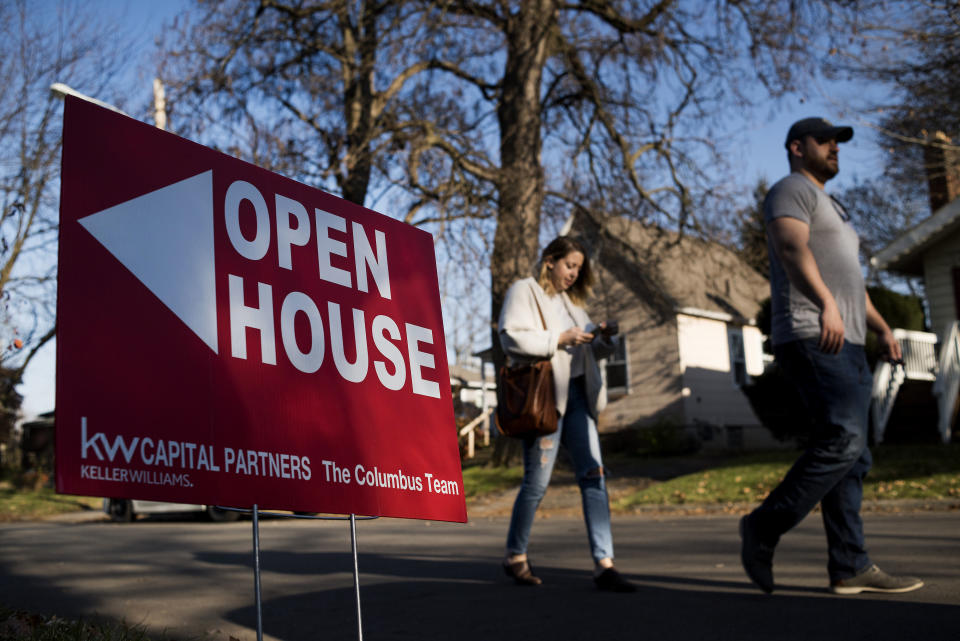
[[710, 393], [938, 262], [703, 343]]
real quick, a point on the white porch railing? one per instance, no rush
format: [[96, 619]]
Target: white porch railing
[[919, 364], [948, 380], [481, 423]]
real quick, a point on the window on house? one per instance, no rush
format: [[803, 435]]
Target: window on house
[[738, 360], [618, 375]]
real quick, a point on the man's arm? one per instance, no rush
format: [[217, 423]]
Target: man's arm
[[889, 347], [790, 238]]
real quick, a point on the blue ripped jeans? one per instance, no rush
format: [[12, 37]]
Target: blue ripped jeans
[[578, 433], [836, 390]]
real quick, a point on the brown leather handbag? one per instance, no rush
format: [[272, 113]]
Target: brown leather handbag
[[527, 404], [526, 399]]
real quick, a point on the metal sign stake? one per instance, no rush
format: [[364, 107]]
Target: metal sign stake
[[356, 574], [255, 514], [256, 569]]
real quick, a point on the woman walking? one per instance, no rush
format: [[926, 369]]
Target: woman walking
[[543, 318]]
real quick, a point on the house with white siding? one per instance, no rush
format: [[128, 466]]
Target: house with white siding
[[687, 311], [931, 250]]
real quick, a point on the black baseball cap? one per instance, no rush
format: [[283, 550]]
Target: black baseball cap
[[818, 128]]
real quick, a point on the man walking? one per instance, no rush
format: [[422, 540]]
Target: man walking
[[821, 313]]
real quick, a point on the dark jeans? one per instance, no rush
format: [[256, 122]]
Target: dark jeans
[[836, 390]]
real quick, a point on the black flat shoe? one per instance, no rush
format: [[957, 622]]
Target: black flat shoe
[[521, 573], [612, 581]]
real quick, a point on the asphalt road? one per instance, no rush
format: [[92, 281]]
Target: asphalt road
[[423, 580]]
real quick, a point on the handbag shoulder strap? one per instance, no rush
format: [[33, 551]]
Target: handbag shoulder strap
[[543, 321], [536, 302]]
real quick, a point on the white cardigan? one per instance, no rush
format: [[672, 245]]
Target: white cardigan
[[523, 338]]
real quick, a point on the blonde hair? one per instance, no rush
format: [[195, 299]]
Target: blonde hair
[[559, 248]]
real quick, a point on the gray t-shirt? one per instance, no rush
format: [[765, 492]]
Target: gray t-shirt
[[835, 247]]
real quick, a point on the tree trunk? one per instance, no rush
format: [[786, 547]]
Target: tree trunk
[[521, 184], [360, 43]]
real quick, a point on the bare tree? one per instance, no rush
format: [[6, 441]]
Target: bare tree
[[494, 109], [304, 88], [880, 212], [39, 45], [752, 231], [601, 107], [911, 47]]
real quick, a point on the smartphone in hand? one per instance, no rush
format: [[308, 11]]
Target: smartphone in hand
[[608, 329]]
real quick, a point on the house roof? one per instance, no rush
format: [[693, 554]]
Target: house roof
[[905, 254], [676, 272]]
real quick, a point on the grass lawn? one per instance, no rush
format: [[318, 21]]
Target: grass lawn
[[480, 480], [926, 472], [18, 624], [19, 503], [899, 472]]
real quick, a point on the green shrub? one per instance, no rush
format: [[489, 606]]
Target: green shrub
[[665, 437]]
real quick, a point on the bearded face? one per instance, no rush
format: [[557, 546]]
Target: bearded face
[[820, 157]]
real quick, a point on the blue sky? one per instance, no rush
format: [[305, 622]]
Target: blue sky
[[755, 141]]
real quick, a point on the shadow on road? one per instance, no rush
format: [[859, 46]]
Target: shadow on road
[[466, 600]]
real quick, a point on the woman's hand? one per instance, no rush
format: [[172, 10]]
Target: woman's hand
[[574, 336]]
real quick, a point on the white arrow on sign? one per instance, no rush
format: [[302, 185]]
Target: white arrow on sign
[[165, 239]]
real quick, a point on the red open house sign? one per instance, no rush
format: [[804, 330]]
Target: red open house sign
[[229, 336]]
